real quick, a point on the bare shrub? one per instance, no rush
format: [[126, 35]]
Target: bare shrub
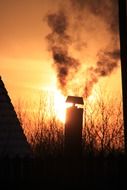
[[41, 126], [103, 127], [102, 130]]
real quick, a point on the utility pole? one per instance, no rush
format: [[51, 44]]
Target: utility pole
[[123, 55]]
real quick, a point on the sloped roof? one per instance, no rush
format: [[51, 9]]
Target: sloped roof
[[75, 100], [13, 141]]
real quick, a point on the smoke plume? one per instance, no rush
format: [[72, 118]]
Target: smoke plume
[[84, 29], [107, 62], [59, 42]]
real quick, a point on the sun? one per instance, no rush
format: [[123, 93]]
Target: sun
[[59, 105], [59, 102], [92, 99]]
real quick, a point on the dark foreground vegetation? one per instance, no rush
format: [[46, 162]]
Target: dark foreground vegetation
[[102, 165], [101, 172]]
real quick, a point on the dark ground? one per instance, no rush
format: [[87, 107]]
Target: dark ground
[[90, 172]]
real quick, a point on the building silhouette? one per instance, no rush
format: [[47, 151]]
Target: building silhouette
[[13, 141]]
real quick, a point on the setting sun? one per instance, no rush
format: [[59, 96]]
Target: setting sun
[[58, 101], [59, 105]]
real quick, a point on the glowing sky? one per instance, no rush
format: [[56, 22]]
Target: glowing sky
[[25, 62]]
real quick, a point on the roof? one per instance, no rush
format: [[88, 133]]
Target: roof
[[13, 141], [75, 100]]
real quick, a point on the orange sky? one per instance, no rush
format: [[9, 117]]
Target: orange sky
[[25, 63]]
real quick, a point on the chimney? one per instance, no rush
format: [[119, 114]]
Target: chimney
[[73, 140], [73, 127]]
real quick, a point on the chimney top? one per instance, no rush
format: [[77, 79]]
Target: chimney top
[[75, 100]]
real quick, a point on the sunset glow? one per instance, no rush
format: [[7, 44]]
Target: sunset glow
[[49, 48], [60, 105], [63, 93], [56, 101]]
